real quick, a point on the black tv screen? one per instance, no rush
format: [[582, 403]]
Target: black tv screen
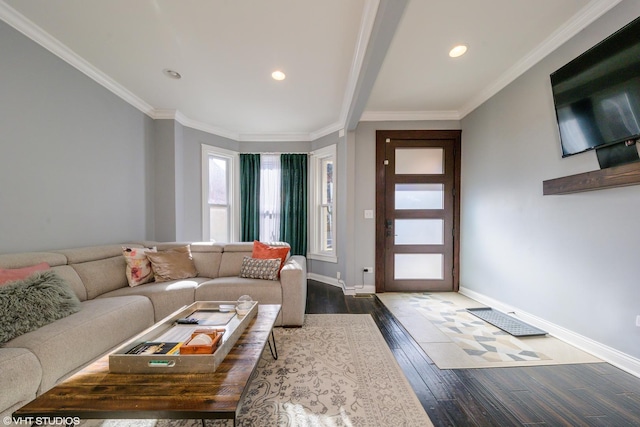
[[597, 95]]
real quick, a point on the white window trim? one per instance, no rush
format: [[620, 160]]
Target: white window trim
[[233, 191], [316, 158]]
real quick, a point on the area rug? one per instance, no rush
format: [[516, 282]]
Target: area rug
[[455, 339], [336, 370]]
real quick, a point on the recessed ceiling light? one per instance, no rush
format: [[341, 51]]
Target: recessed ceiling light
[[172, 74], [458, 50], [278, 75]]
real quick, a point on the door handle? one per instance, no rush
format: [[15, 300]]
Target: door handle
[[389, 227]]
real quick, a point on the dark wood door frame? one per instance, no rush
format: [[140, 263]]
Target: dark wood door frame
[[381, 137]]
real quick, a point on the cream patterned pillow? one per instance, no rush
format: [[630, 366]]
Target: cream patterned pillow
[[138, 265], [257, 268]]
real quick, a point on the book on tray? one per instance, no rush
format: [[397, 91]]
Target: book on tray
[[156, 348]]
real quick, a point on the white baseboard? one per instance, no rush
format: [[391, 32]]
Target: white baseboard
[[324, 279], [367, 289], [617, 358]]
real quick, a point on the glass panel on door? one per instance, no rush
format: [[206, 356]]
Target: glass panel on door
[[419, 232], [419, 196], [419, 266], [419, 161]]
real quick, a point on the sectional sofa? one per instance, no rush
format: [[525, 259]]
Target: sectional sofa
[[112, 311]]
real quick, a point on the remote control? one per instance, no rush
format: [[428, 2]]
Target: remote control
[[187, 321]]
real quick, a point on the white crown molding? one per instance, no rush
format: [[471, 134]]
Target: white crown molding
[[611, 355], [168, 114], [383, 116], [275, 137], [327, 130], [44, 39], [205, 127], [577, 23], [164, 114]]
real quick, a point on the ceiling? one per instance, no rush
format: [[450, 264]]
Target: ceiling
[[345, 61]]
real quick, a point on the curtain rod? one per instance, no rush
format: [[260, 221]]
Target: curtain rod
[[267, 152]]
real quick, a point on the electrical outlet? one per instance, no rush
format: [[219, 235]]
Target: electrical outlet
[[338, 275], [638, 320], [367, 269]]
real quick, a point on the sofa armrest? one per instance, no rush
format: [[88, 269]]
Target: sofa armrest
[[293, 279], [20, 379]]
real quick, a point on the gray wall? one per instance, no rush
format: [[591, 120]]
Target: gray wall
[[188, 175], [74, 158], [324, 268], [191, 179], [164, 180], [570, 259]]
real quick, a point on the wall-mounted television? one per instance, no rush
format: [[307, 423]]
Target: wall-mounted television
[[597, 95]]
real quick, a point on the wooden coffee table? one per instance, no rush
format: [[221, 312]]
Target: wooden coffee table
[[94, 392]]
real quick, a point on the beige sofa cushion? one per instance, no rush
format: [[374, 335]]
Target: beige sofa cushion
[[232, 257], [207, 258], [26, 259], [91, 253], [103, 275], [64, 346], [100, 268], [71, 277], [166, 297], [232, 288]]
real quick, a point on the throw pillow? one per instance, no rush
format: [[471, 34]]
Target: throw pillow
[[26, 305], [138, 265], [256, 268], [173, 264], [264, 251], [13, 274]]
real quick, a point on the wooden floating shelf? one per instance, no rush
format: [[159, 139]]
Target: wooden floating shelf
[[617, 176]]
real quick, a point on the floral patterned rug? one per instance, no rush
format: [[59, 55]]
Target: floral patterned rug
[[336, 370]]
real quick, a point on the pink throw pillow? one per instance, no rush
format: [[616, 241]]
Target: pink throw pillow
[[13, 274]]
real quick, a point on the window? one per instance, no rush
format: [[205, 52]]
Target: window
[[323, 205], [219, 215], [270, 197]]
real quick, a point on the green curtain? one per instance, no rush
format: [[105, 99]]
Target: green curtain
[[293, 214], [249, 197]]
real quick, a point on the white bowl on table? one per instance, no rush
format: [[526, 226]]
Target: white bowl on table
[[225, 308]]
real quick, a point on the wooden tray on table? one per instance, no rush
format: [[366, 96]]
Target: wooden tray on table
[[164, 341]]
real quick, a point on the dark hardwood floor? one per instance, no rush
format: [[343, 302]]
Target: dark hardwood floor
[[595, 394]]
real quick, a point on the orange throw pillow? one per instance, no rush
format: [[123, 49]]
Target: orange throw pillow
[[264, 251]]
